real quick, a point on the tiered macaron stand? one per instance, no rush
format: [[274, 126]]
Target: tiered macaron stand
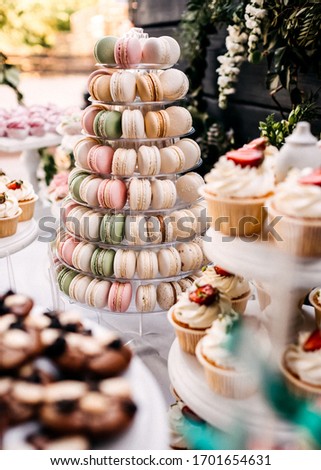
[[133, 143], [287, 280]]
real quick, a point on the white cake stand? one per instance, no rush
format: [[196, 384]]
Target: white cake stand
[[26, 233]]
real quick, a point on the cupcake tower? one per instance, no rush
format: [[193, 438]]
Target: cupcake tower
[[129, 236]]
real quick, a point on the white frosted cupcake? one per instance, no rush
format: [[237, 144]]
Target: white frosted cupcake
[[297, 203], [301, 365], [194, 312], [26, 197], [236, 288], [225, 373], [9, 215], [315, 301], [237, 189]]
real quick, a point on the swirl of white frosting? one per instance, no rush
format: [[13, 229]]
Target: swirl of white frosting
[[24, 193], [177, 425], [233, 286], [215, 343], [230, 180], [199, 316], [304, 364], [9, 208], [298, 200]]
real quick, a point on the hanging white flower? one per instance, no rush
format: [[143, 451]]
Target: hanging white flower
[[254, 14]]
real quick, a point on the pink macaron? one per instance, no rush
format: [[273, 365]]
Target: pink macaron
[[119, 297], [100, 159], [67, 248], [128, 50], [112, 194], [88, 117]]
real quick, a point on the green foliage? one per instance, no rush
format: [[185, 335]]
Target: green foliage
[[48, 164], [277, 131], [34, 23], [9, 75]]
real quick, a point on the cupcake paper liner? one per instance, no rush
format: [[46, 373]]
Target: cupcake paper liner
[[28, 209], [187, 338], [299, 237], [9, 225], [239, 305], [296, 386], [228, 383], [245, 216]]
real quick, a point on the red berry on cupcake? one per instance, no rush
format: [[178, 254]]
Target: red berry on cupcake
[[246, 157], [204, 295], [313, 343], [258, 144], [313, 178], [221, 272], [15, 184]]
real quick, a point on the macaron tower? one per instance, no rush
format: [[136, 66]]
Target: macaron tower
[[133, 197]]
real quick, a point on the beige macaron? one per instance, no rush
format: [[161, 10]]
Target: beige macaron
[[147, 264], [169, 262], [139, 194], [124, 162], [163, 194], [172, 159], [146, 298], [191, 255], [125, 264], [188, 186]]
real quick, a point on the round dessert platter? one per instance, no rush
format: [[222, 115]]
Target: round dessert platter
[[149, 429], [26, 233]]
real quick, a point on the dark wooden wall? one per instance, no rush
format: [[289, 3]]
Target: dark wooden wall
[[251, 103]]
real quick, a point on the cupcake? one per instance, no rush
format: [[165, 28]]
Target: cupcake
[[37, 126], [315, 301], [236, 288], [9, 215], [24, 193], [236, 191], [301, 365], [17, 128], [225, 372], [297, 204], [194, 312]]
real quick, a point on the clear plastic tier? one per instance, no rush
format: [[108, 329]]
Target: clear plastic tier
[[141, 140]]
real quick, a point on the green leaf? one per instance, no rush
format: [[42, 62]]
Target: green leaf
[[278, 56]]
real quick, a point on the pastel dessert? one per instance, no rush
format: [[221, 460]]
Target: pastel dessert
[[125, 264], [188, 186], [191, 255], [157, 124], [132, 123], [164, 194], [88, 189], [191, 150], [24, 193], [37, 126], [194, 313], [145, 298], [139, 194], [149, 87], [89, 225], [174, 83], [236, 288], [180, 120], [147, 264], [297, 203], [301, 365], [81, 150], [128, 51], [102, 262], [184, 224], [108, 124], [237, 190], [104, 50], [119, 297], [100, 159], [172, 159], [169, 262], [168, 292], [112, 229], [17, 128], [9, 215], [99, 85], [124, 162], [112, 194], [97, 293], [149, 160], [123, 87], [162, 50], [225, 372]]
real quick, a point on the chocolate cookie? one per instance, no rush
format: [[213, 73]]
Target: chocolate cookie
[[18, 341], [72, 406], [20, 305], [102, 354]]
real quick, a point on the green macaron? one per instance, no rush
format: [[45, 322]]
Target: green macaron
[[102, 262], [112, 228], [108, 124], [74, 185], [65, 280], [104, 50]]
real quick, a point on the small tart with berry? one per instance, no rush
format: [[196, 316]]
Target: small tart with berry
[[194, 312], [301, 365]]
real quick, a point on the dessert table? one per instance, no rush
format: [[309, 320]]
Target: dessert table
[[30, 151]]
